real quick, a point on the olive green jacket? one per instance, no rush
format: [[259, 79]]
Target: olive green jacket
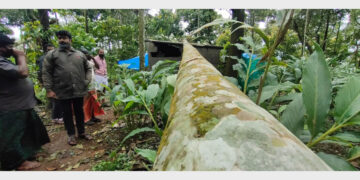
[[67, 73]]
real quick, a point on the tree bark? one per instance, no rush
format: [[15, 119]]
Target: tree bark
[[317, 35], [356, 55], [44, 20], [141, 39], [213, 126], [326, 29], [337, 35], [301, 38], [305, 28], [239, 15], [86, 21]]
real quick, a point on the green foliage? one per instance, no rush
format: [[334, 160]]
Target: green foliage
[[348, 136], [151, 92], [336, 163], [316, 86], [354, 153], [293, 116], [271, 90], [197, 18], [17, 17], [144, 94], [120, 39], [164, 26], [5, 30], [347, 102], [147, 153], [79, 37], [137, 131], [118, 162]]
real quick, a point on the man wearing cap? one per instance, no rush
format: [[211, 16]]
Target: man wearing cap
[[66, 76], [22, 132]]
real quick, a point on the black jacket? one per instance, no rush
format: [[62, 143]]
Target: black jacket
[[67, 73]]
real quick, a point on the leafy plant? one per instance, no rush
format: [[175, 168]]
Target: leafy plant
[[336, 163], [148, 94], [118, 162], [248, 68], [137, 131], [147, 153], [316, 85]]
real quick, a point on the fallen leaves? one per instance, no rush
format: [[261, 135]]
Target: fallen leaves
[[79, 146], [76, 166]]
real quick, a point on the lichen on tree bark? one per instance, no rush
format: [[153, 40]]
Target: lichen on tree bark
[[212, 125]]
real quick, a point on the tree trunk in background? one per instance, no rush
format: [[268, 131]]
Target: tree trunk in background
[[326, 30], [318, 29], [44, 20], [141, 39], [30, 13], [305, 28], [86, 21], [356, 55], [301, 38], [252, 21], [239, 15], [337, 35]]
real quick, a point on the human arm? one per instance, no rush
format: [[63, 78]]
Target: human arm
[[20, 59], [18, 70], [95, 63], [88, 73]]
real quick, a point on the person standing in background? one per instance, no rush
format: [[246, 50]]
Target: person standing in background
[[92, 107], [56, 109], [101, 73]]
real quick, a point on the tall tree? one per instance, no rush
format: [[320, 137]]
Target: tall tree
[[197, 18], [17, 17], [141, 39], [328, 14], [44, 20], [86, 21], [239, 15], [164, 26]]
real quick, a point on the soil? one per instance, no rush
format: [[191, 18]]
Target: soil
[[59, 155]]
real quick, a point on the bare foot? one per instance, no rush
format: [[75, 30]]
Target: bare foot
[[27, 165]]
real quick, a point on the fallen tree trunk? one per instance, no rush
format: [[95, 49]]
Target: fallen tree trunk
[[212, 125]]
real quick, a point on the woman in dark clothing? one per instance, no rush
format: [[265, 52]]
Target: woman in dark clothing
[[22, 132]]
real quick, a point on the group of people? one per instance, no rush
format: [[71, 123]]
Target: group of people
[[71, 78]]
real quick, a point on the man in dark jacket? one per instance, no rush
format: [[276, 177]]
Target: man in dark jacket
[[66, 75]]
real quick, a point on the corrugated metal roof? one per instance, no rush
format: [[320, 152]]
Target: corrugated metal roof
[[180, 43]]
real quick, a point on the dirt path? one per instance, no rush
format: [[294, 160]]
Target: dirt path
[[59, 156]]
